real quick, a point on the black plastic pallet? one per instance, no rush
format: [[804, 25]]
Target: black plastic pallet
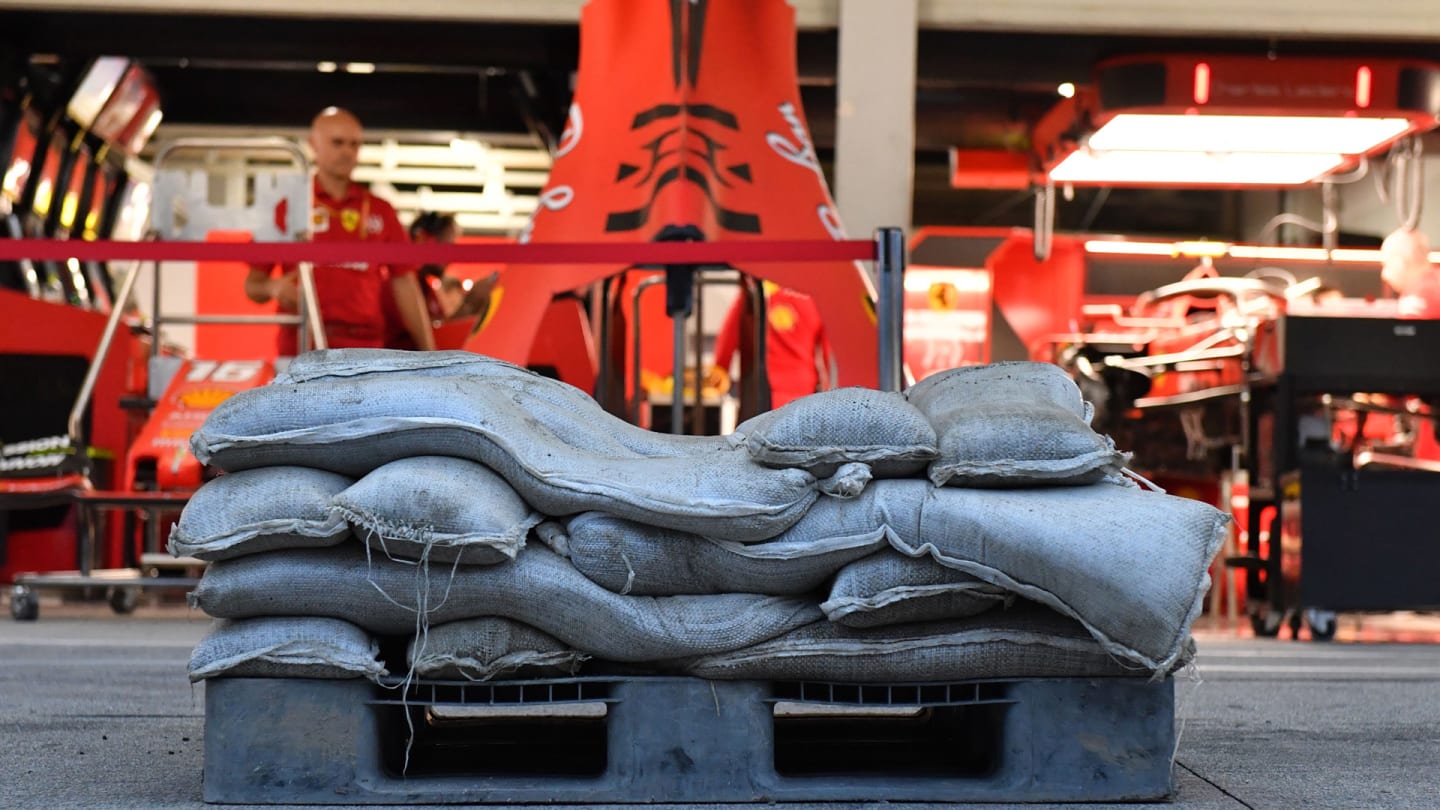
[[664, 740]]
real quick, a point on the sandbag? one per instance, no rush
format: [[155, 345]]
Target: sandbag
[[448, 509], [891, 588], [818, 432], [1130, 565], [286, 647], [260, 510], [632, 558], [488, 648], [1012, 424], [538, 588], [1023, 642], [339, 364], [560, 463]]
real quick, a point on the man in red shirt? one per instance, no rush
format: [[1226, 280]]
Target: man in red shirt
[[1405, 267], [349, 294], [797, 353]]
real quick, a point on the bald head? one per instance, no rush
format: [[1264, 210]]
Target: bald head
[[335, 138], [1404, 259]]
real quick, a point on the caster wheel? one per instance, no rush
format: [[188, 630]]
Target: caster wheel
[[24, 604], [1322, 624], [1267, 624], [124, 600]]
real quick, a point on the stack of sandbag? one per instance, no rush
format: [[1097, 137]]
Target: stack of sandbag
[[489, 522]]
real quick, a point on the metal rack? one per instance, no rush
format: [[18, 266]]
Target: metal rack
[[182, 209], [1364, 540]]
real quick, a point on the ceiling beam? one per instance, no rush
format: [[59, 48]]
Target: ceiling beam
[[1378, 19]]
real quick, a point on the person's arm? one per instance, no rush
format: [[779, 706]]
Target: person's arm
[[411, 304], [826, 356], [477, 300], [728, 339], [262, 288], [726, 342]]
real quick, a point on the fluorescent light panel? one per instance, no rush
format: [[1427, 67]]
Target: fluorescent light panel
[[1121, 247], [1247, 133], [1193, 168]]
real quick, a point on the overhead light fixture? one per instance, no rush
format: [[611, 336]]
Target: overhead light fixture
[[1093, 167], [1270, 253], [359, 67], [1066, 90], [1307, 134], [1233, 120], [326, 67]]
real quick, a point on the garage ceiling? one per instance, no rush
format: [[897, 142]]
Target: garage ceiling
[[440, 68]]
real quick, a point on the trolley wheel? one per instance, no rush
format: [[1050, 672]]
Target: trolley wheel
[[1322, 623], [24, 604], [1294, 620], [124, 600], [1267, 624]]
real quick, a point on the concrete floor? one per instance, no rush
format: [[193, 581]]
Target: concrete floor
[[96, 712]]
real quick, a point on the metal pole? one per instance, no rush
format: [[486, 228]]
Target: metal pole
[[635, 324], [889, 309], [1329, 217], [677, 391], [311, 307], [1044, 220], [600, 323], [697, 419], [248, 320], [155, 318], [761, 371], [92, 374]]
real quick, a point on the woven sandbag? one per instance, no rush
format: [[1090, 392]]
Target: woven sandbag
[[490, 647], [539, 588], [1012, 424], [558, 461], [632, 558], [1130, 565], [891, 588], [260, 510], [286, 647], [1022, 642], [332, 364], [450, 509], [820, 431], [339, 364]]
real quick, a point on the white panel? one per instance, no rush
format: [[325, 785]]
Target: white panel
[[875, 115], [177, 297]]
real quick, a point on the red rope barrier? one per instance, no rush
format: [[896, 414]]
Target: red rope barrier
[[627, 253]]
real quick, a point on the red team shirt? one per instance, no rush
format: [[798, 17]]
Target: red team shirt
[[794, 333], [350, 295]]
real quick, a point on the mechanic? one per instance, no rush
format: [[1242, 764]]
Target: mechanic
[[1405, 268], [349, 295], [446, 297], [797, 353]]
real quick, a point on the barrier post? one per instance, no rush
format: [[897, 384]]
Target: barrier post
[[890, 306]]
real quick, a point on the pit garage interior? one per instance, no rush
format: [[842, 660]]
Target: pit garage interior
[[1194, 311]]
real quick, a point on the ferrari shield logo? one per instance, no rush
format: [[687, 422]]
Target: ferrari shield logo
[[349, 220]]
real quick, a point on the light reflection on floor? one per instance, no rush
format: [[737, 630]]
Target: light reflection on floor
[[1401, 627]]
